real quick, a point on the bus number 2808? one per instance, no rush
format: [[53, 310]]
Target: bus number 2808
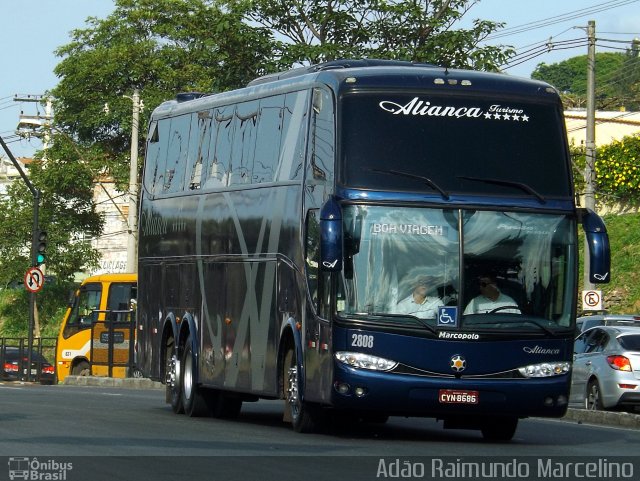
[[361, 340]]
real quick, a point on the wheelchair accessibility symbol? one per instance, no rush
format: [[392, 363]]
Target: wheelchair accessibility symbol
[[447, 316]]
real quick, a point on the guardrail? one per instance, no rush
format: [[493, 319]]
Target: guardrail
[[14, 355], [113, 342]]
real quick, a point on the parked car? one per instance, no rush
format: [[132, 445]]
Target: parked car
[[587, 322], [14, 366], [606, 368]]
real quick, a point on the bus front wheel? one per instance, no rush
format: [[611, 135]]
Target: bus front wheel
[[81, 369], [303, 415]]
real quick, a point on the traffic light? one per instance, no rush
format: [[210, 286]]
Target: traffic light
[[41, 246]]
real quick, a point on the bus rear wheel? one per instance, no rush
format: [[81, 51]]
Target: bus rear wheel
[[194, 399], [173, 395], [304, 416]]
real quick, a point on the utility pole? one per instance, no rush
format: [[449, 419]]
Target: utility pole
[[132, 240], [589, 169]]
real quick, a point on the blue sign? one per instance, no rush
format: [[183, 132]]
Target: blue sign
[[447, 316]]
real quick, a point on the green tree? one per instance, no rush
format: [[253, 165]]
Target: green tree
[[570, 78], [160, 47], [67, 212], [626, 80], [314, 31], [618, 171]]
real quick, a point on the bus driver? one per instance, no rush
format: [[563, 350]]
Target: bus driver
[[490, 299]]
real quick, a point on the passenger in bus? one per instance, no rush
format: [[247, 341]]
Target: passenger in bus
[[419, 303], [491, 299]]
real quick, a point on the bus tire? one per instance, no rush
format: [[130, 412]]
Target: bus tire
[[499, 429], [303, 416], [193, 399], [173, 395], [81, 369]]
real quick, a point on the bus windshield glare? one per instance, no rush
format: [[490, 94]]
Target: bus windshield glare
[[402, 263]]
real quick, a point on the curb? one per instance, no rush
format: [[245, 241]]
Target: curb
[[607, 418], [127, 383]]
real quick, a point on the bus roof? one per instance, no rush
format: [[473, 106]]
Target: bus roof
[[112, 277], [345, 75]]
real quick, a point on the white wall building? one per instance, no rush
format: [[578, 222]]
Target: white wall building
[[610, 126], [112, 244], [8, 172]]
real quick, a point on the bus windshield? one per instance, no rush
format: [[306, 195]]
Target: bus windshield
[[402, 263], [454, 144]]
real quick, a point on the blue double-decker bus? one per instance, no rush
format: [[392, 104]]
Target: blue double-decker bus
[[367, 237]]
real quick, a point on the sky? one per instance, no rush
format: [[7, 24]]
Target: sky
[[31, 30]]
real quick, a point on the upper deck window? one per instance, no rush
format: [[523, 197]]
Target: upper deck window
[[462, 144]]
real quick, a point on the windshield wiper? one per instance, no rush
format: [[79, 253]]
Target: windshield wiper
[[534, 322], [417, 320], [427, 180], [509, 183]]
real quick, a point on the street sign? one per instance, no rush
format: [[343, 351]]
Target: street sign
[[33, 279], [591, 300]]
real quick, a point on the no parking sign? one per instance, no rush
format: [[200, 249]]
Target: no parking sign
[[591, 300]]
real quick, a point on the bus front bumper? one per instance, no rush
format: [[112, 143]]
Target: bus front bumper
[[411, 395]]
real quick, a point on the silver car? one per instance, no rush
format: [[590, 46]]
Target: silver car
[[606, 368], [587, 322]]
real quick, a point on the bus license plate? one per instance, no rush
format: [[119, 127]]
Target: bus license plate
[[455, 396]]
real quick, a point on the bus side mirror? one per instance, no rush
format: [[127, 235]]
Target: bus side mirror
[[599, 250], [331, 236]]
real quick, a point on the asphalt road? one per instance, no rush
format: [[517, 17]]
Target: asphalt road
[[120, 433]]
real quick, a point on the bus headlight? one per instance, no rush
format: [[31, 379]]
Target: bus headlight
[[545, 369], [365, 361]]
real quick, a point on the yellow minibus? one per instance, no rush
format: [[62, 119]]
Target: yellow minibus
[[100, 303]]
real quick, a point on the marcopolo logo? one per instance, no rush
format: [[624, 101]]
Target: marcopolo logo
[[35, 469], [461, 336]]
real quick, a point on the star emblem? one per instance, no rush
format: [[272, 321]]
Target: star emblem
[[458, 363]]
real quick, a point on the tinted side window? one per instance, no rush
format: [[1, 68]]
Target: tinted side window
[[597, 340], [119, 301], [580, 344], [225, 122], [151, 156], [294, 135], [177, 154], [268, 139], [630, 342], [199, 142], [244, 143], [157, 156]]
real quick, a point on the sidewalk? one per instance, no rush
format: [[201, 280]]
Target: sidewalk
[[127, 383]]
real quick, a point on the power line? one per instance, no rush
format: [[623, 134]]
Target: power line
[[565, 17]]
